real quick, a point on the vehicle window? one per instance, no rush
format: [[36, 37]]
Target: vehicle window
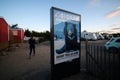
[[118, 40], [111, 39]]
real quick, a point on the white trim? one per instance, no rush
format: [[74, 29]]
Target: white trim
[[15, 32]]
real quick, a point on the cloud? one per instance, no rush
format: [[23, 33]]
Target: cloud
[[115, 28], [113, 13], [115, 25], [94, 2], [109, 31]]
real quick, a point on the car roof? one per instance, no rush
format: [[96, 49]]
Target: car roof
[[116, 37]]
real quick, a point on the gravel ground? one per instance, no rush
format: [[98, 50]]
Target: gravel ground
[[16, 65]]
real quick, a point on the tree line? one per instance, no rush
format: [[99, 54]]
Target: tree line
[[45, 35]]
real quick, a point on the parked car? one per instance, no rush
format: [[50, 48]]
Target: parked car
[[113, 45]]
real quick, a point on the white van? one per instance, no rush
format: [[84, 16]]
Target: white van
[[88, 35]]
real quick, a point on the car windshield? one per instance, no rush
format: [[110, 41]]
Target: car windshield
[[118, 40], [111, 40]]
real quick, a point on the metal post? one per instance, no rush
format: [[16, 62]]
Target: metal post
[[86, 47]]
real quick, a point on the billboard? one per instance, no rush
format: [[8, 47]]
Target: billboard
[[66, 34], [65, 43]]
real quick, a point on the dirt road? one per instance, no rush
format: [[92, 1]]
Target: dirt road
[[16, 64]]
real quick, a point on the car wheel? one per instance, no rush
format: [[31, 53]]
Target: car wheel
[[113, 50]]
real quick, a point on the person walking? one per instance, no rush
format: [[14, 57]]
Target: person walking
[[32, 43]]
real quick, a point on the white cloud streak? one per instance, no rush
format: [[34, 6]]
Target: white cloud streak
[[115, 28], [115, 25], [110, 31], [113, 13]]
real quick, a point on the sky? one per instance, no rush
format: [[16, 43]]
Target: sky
[[96, 15]]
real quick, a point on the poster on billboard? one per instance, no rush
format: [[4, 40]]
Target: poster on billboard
[[66, 29]]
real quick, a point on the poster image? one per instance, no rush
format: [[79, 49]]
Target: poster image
[[66, 36]]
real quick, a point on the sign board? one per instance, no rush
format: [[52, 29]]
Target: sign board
[[15, 33], [65, 38]]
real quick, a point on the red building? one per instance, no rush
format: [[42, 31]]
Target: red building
[[4, 33], [17, 35]]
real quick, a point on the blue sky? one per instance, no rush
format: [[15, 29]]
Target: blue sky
[[96, 15]]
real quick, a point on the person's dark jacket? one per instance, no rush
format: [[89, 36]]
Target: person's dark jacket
[[32, 43]]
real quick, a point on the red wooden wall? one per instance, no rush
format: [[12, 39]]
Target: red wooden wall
[[4, 30]]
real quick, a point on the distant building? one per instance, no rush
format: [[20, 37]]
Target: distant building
[[17, 35]]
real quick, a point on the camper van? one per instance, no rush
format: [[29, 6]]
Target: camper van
[[99, 36], [88, 35]]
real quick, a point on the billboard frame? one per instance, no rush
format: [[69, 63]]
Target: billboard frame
[[55, 67]]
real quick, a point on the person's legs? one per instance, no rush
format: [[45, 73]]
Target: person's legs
[[33, 51], [30, 52]]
